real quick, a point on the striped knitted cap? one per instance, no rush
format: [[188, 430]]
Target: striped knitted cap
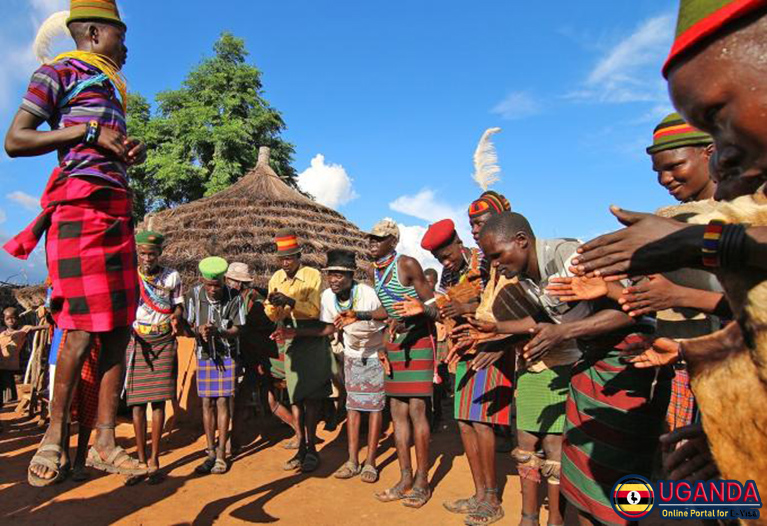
[[287, 242], [491, 202], [105, 10], [673, 132], [699, 19]]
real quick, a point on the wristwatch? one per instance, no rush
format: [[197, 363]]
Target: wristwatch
[[92, 132]]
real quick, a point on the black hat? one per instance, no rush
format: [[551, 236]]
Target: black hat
[[341, 260]]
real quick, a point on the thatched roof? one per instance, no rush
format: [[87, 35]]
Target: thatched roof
[[239, 224], [27, 298]]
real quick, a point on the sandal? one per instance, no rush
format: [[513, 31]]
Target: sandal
[[154, 476], [417, 497], [294, 463], [348, 470], [391, 494], [118, 462], [369, 474], [292, 444], [219, 467], [485, 513], [56, 466], [310, 462], [207, 464], [461, 506]]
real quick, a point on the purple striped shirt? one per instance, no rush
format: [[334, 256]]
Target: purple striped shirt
[[50, 87]]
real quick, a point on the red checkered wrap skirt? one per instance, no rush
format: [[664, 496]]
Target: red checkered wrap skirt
[[90, 250], [681, 408], [85, 402]]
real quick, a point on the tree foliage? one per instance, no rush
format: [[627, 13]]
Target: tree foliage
[[205, 136]]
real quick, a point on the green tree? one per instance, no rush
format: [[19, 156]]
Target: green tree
[[205, 135]]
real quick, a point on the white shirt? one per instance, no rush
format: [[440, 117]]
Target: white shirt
[[170, 295], [362, 339]]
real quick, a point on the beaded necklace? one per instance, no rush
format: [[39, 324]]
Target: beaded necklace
[[348, 304]]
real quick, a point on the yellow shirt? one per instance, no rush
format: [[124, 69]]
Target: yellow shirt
[[304, 288]]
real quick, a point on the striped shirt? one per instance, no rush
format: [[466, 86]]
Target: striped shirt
[[224, 314], [71, 92], [392, 291]]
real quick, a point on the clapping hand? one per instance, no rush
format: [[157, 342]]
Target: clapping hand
[[344, 318], [663, 351], [579, 288], [409, 307]]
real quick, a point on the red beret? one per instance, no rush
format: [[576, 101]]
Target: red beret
[[438, 235]]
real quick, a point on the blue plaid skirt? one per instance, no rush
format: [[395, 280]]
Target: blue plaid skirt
[[215, 378]]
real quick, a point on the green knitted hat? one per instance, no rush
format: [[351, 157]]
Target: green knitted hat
[[673, 132], [700, 19], [148, 237], [105, 10], [213, 267]]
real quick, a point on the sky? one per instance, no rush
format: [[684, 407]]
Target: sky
[[385, 102]]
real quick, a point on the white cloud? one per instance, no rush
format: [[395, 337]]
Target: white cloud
[[29, 272], [425, 205], [27, 201], [517, 105], [630, 70], [328, 183], [410, 245], [17, 37]]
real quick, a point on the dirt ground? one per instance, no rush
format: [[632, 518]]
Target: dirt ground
[[255, 490]]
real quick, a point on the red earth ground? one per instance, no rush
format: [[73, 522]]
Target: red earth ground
[[255, 490]]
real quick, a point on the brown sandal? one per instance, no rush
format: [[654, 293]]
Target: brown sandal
[[117, 462]]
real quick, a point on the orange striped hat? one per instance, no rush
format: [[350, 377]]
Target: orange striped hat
[[287, 242], [105, 10], [489, 202], [673, 132]]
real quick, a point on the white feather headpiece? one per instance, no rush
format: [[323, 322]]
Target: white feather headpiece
[[54, 26], [486, 167]]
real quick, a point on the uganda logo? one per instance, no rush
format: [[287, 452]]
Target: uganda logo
[[633, 497]]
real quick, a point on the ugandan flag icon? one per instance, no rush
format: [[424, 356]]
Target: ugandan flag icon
[[633, 497]]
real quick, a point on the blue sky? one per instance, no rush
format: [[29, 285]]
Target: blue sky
[[385, 101]]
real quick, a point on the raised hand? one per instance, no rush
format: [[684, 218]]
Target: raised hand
[[654, 294], [663, 351], [649, 244], [409, 307], [453, 309], [578, 288], [485, 359]]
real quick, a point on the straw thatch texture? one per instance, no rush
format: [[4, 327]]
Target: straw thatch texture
[[28, 298], [239, 224]]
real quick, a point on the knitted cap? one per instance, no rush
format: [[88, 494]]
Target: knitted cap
[[438, 235], [287, 242], [213, 267], [150, 238], [105, 10], [491, 202], [699, 19], [673, 132]]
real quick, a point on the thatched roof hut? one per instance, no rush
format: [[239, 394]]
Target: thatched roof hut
[[27, 298], [239, 224]]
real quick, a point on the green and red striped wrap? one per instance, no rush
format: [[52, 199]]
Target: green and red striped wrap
[[151, 368], [615, 416], [699, 20], [411, 355]]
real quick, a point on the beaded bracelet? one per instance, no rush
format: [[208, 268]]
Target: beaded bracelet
[[91, 132], [711, 240]]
